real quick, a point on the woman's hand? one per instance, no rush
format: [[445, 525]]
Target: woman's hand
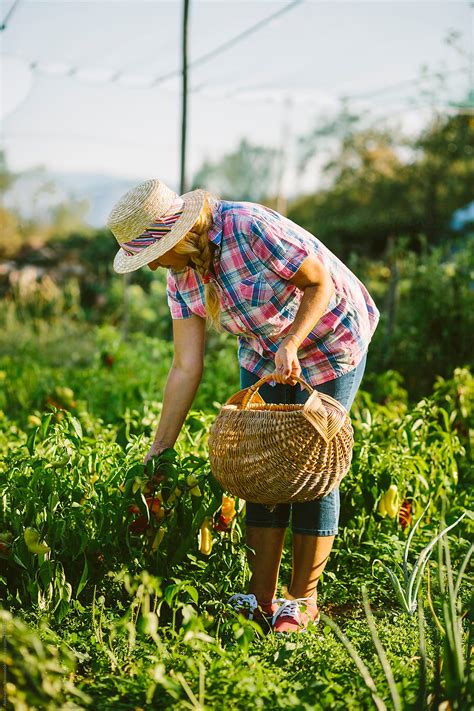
[[157, 477], [287, 365], [155, 449]]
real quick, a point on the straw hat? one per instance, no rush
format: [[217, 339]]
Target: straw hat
[[149, 220]]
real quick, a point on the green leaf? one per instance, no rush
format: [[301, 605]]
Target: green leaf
[[30, 442], [62, 610], [45, 574], [397, 587], [216, 488], [424, 556], [83, 581], [193, 593], [45, 424], [170, 592], [76, 425], [462, 570]]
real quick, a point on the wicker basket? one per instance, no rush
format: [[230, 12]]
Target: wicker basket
[[271, 454]]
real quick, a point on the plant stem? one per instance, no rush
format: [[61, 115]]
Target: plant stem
[[430, 603], [364, 672], [381, 652]]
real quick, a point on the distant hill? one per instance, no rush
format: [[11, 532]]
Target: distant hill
[[36, 191], [102, 192]]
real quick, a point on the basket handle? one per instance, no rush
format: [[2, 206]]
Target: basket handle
[[255, 387]]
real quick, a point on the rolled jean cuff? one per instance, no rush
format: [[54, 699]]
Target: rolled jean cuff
[[266, 524], [312, 532]]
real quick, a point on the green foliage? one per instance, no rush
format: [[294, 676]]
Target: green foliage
[[36, 668], [114, 604], [79, 493], [421, 450], [373, 195], [433, 316], [95, 546]]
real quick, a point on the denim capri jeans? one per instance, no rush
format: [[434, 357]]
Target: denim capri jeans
[[319, 517]]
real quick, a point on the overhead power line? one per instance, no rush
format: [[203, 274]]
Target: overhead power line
[[236, 91], [233, 41], [226, 45], [3, 25], [117, 74], [73, 71], [401, 84]]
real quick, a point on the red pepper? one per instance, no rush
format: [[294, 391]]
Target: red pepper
[[222, 523], [5, 551], [404, 514], [107, 359], [139, 525]]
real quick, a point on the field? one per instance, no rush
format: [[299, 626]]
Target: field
[[111, 598]]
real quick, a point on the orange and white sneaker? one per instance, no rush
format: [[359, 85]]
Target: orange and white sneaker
[[295, 615]]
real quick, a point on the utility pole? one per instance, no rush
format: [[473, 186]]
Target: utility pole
[[183, 186]]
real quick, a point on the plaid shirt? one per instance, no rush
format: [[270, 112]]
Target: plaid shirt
[[258, 251]]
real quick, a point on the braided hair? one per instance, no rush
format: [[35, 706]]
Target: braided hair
[[196, 244]]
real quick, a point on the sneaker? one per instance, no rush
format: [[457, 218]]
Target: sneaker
[[290, 618], [247, 606]]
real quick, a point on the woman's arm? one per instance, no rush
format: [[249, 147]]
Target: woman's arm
[[183, 381], [314, 279]]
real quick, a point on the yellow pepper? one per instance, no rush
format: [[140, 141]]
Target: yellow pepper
[[390, 502], [136, 485], [205, 537], [157, 539], [191, 480], [454, 474]]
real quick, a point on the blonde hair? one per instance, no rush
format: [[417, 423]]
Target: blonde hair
[[196, 244]]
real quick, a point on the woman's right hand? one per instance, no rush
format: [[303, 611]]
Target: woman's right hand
[[154, 451], [156, 477]]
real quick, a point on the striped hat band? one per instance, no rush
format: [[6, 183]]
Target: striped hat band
[[156, 231]]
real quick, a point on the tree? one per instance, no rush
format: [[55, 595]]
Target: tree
[[48, 216], [443, 176], [7, 178], [373, 193], [249, 173]]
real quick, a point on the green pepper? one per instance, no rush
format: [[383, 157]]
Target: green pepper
[[31, 537]]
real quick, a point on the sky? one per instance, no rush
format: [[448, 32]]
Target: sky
[[89, 105]]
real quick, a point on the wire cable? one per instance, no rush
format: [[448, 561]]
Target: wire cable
[[3, 25], [231, 42], [73, 71], [230, 93]]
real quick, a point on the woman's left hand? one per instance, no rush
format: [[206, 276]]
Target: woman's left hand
[[287, 365]]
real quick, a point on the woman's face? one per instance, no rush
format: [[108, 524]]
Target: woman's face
[[169, 260]]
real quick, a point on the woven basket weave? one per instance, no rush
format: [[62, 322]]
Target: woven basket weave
[[272, 454]]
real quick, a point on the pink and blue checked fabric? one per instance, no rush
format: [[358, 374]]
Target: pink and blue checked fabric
[[258, 251]]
